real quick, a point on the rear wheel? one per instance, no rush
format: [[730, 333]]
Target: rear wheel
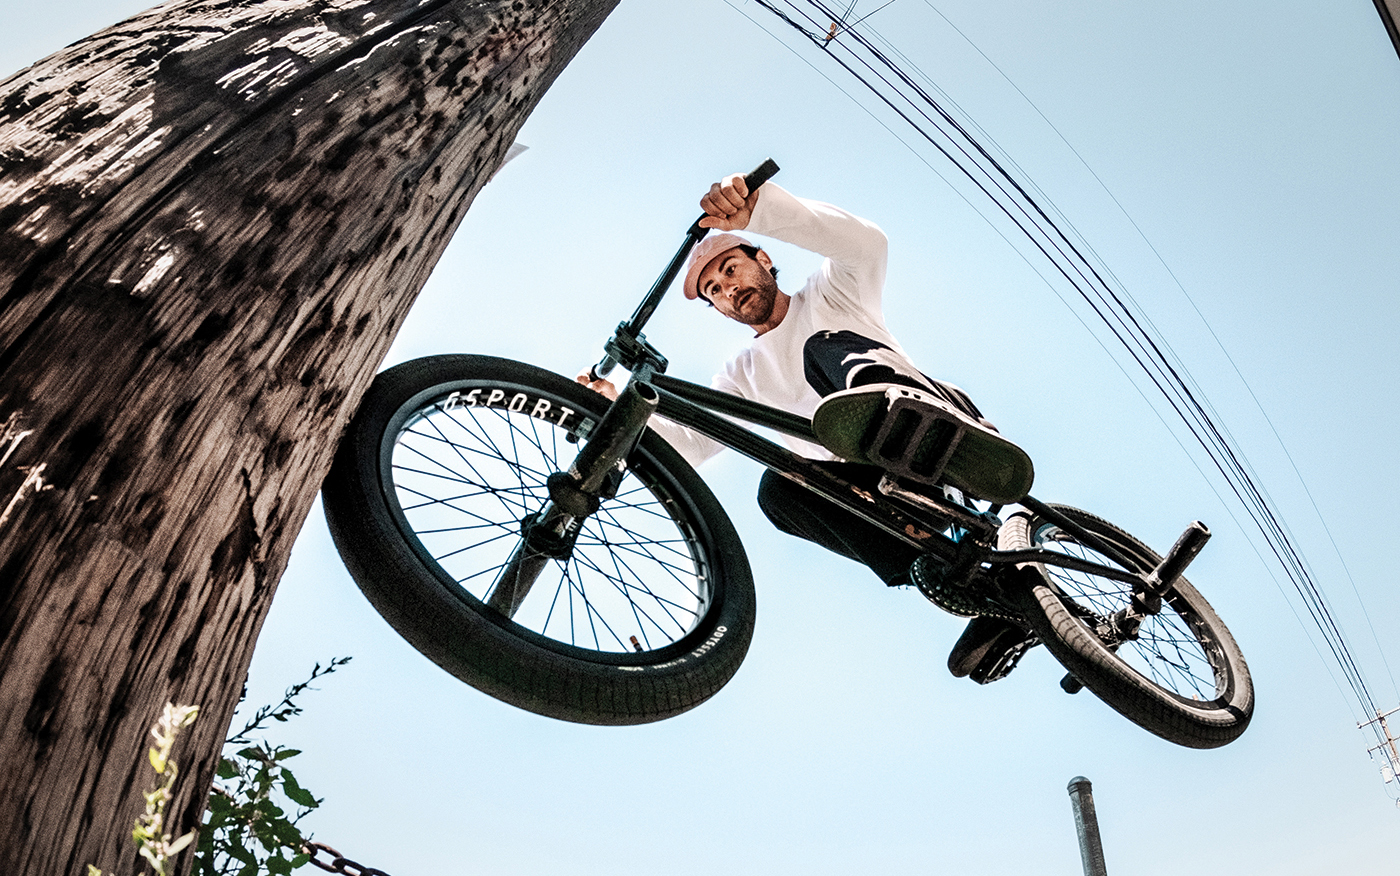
[[645, 608], [1179, 674]]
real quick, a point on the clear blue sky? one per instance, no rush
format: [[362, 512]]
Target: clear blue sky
[[1254, 144]]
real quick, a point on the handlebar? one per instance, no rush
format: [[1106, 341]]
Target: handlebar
[[628, 336]]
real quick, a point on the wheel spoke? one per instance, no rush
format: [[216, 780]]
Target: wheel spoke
[[1164, 649], [465, 477]]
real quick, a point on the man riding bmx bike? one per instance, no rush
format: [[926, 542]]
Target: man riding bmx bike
[[824, 353]]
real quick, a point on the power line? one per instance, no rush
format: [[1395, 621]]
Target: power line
[[1194, 307]]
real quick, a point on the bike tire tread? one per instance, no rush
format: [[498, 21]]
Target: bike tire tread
[[1207, 725]]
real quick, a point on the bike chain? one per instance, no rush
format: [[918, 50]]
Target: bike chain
[[338, 863]]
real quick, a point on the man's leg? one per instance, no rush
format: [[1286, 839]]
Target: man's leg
[[988, 648], [838, 361], [932, 434], [798, 511]]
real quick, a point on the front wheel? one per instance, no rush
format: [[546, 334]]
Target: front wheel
[[642, 612], [1180, 675]]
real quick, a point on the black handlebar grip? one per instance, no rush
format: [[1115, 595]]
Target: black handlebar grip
[[761, 174], [602, 369]]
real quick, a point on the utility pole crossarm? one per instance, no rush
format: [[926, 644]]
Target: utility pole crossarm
[[1387, 744]]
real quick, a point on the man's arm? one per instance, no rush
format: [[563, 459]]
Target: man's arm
[[856, 249]]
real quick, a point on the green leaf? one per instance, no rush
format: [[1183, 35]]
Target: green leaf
[[297, 793], [243, 853], [287, 834], [286, 753], [227, 769], [279, 865]]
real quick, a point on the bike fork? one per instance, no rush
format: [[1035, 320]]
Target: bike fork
[[574, 495]]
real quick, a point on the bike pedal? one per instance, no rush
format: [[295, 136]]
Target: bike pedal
[[999, 665], [914, 440], [989, 648]]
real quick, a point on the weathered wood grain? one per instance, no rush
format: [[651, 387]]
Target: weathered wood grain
[[213, 219]]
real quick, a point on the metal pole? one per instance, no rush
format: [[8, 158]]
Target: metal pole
[[1081, 795]]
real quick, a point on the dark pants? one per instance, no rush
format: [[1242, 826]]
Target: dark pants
[[798, 511], [834, 361]]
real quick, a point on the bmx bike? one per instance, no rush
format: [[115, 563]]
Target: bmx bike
[[537, 541]]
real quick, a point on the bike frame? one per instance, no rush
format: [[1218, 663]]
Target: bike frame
[[962, 538], [919, 520]]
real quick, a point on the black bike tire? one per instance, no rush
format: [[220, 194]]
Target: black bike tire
[[1207, 723], [483, 648]]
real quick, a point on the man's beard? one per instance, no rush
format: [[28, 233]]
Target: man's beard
[[758, 302]]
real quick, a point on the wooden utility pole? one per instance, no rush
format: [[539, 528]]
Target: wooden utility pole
[[213, 220], [1388, 10]]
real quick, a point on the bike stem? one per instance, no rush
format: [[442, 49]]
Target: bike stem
[[628, 346]]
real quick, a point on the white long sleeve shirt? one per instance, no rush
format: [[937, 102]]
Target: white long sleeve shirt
[[844, 294]]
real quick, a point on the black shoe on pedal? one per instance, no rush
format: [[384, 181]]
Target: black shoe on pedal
[[989, 649], [914, 435]]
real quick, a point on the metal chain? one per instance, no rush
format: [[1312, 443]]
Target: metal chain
[[338, 863]]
